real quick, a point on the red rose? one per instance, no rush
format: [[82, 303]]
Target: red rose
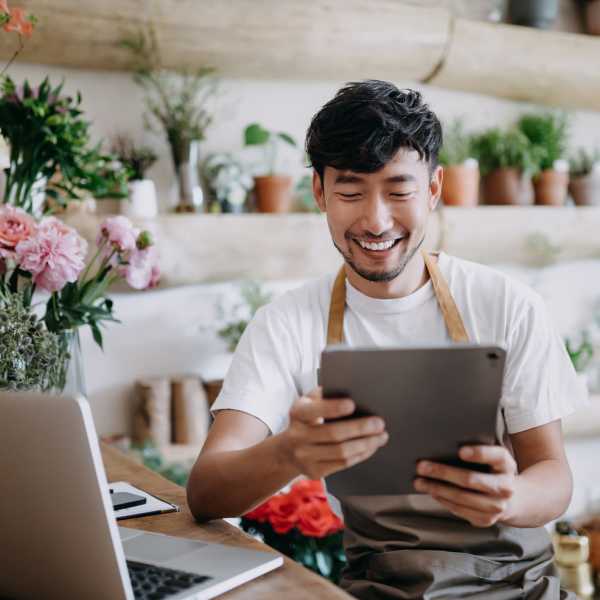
[[260, 513], [284, 513], [316, 519], [306, 490]]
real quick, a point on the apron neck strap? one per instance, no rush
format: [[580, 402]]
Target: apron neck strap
[[452, 318]]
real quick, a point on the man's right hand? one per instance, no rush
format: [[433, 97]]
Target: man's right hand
[[317, 447]]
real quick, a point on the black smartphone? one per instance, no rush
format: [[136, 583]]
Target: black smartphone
[[122, 500]]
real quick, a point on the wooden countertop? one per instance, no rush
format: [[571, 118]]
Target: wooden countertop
[[291, 581]]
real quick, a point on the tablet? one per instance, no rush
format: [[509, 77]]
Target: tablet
[[433, 399]]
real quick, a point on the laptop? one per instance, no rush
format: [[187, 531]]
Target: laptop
[[59, 533]]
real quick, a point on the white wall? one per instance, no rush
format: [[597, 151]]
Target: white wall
[[115, 105]]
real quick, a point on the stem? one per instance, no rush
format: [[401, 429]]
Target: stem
[[14, 56], [89, 265]]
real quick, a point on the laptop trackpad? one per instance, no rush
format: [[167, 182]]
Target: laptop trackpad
[[158, 548]]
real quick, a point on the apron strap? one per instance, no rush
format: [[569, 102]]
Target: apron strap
[[452, 318], [450, 312]]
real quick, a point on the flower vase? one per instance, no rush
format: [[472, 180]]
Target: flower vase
[[74, 376], [191, 195]]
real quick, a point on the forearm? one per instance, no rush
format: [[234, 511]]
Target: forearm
[[542, 493], [228, 484]]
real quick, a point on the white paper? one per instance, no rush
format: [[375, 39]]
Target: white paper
[[152, 504]]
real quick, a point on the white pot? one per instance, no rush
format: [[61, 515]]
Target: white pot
[[142, 202]]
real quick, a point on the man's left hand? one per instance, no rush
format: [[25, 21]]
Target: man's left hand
[[483, 499]]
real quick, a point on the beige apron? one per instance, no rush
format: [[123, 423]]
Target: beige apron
[[408, 547]]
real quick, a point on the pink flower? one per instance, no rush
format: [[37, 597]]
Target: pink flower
[[142, 270], [15, 226], [54, 256], [119, 232], [4, 6], [19, 22]]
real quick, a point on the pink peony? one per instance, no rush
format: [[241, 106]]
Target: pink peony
[[120, 233], [54, 256], [142, 270], [15, 226]]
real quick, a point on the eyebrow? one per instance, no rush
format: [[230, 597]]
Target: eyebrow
[[351, 178]]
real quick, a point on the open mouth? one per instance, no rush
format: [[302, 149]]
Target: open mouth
[[381, 246]]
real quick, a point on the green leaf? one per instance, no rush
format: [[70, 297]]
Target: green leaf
[[287, 138], [255, 135], [97, 334]]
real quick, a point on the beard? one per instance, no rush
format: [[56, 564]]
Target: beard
[[389, 275]]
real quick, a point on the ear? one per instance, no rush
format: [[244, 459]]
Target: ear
[[435, 187], [317, 187]]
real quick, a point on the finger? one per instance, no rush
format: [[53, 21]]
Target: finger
[[475, 518], [493, 484], [344, 451], [309, 410], [329, 467], [347, 430], [471, 500], [498, 457]]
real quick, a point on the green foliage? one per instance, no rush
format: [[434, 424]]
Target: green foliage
[[151, 457], [325, 556], [176, 100], [49, 139], [548, 134], [458, 145], [32, 357], [580, 354], [137, 159], [254, 297], [256, 135], [495, 149], [304, 194], [582, 163]]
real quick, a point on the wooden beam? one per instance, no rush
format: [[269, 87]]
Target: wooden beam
[[546, 67]]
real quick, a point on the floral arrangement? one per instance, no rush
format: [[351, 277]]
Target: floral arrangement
[[15, 20], [175, 100], [137, 159], [301, 525], [50, 146], [229, 181], [50, 257]]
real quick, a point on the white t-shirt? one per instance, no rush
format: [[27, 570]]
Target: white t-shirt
[[279, 354]]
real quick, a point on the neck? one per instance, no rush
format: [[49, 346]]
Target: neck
[[414, 276]]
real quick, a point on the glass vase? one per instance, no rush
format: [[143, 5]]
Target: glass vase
[[73, 381]]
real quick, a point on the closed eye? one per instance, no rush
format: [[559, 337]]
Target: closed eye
[[350, 196]]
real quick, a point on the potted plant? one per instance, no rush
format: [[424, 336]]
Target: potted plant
[[591, 16], [547, 134], [461, 170], [142, 201], [228, 181], [50, 153], [533, 13], [273, 191], [584, 183], [506, 161], [177, 101]]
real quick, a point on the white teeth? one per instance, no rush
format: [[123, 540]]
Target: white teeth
[[377, 245]]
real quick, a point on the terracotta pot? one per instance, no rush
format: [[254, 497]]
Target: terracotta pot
[[507, 186], [551, 188], [273, 193], [592, 17], [585, 190], [461, 186]]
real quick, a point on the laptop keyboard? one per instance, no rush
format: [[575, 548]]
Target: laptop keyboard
[[150, 582]]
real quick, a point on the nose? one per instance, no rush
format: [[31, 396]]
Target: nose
[[377, 217]]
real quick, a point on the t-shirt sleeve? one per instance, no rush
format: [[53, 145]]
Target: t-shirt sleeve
[[540, 383], [260, 380]]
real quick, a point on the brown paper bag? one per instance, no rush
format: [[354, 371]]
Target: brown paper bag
[[191, 417], [152, 420]]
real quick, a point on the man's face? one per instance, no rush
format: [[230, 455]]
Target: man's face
[[378, 220]]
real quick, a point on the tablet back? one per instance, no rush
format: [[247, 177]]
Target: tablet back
[[433, 400]]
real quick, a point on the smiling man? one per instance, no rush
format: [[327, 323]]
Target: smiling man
[[373, 149]]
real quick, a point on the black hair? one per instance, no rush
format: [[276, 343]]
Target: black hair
[[366, 123]]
